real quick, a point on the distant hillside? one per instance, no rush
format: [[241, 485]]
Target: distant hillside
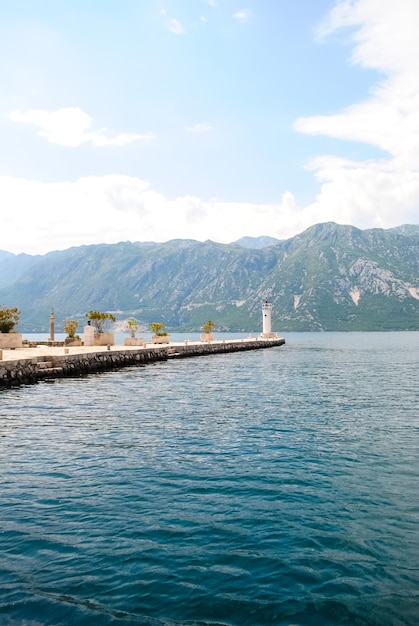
[[13, 266], [407, 229], [256, 242], [329, 277]]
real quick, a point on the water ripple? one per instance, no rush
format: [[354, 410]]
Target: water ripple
[[275, 487]]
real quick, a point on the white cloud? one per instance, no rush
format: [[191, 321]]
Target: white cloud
[[366, 194], [381, 192], [40, 217], [242, 16], [384, 191], [176, 27], [71, 127], [202, 127]]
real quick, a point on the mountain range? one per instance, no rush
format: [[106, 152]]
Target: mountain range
[[328, 278]]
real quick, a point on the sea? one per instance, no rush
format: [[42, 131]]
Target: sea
[[276, 486]]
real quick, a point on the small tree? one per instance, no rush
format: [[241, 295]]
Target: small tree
[[70, 327], [157, 329], [99, 320], [132, 326], [209, 326], [9, 318]]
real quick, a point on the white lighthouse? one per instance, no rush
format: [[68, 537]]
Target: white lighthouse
[[267, 320]]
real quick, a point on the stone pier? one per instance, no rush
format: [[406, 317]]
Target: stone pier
[[30, 365]]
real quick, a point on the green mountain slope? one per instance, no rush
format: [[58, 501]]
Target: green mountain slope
[[13, 266], [329, 277]]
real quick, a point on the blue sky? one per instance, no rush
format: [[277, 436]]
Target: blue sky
[[205, 119]]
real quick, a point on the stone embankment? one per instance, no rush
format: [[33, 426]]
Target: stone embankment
[[216, 347], [25, 366]]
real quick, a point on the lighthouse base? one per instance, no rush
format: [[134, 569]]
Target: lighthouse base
[[267, 336]]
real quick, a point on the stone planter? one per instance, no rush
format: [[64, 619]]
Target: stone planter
[[207, 337], [72, 341], [10, 340], [160, 339], [134, 341], [104, 339]]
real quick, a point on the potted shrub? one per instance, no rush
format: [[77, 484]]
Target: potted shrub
[[132, 326], [159, 336], [70, 327], [9, 318], [100, 321], [208, 327]]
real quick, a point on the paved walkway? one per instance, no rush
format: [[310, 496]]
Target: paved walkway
[[30, 353]]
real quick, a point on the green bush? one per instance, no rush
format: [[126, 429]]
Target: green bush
[[157, 329], [9, 318], [208, 327], [132, 326], [70, 327], [99, 320]]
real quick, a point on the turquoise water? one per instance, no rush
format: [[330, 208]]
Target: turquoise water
[[271, 487]]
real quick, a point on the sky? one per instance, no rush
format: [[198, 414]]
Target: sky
[[151, 120]]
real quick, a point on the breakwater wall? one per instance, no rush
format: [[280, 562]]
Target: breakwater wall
[[24, 371], [219, 347]]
